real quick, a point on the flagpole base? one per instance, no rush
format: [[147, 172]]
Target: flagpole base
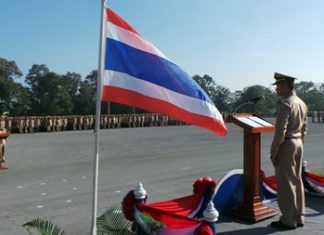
[[94, 230]]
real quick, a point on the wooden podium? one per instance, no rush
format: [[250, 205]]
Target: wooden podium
[[252, 207], [3, 136]]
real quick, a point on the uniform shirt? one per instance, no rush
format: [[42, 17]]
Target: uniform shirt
[[291, 121]]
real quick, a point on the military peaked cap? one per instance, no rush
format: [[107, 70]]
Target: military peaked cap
[[282, 78]]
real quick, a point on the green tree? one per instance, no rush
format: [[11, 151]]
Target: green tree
[[6, 87], [233, 103], [13, 97], [222, 98], [91, 80], [311, 95], [265, 107], [72, 83], [321, 88], [220, 95], [34, 75], [85, 100], [49, 95], [20, 102], [206, 83], [302, 88]]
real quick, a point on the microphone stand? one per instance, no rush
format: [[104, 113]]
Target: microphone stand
[[251, 101]]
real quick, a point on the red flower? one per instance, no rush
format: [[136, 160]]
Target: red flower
[[202, 184]]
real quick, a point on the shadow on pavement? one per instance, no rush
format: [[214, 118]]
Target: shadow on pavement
[[316, 204], [236, 226], [251, 231], [240, 226]]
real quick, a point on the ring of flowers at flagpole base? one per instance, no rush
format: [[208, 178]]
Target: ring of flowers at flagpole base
[[193, 214]]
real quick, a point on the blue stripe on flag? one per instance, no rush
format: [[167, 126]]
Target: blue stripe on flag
[[151, 68]]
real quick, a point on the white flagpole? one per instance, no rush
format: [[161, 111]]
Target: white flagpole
[[97, 122]]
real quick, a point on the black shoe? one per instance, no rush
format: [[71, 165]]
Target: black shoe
[[300, 225], [280, 225]]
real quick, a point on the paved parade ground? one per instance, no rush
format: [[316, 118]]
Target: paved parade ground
[[50, 174]]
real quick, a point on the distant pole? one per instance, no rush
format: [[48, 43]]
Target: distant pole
[[108, 108], [97, 122]]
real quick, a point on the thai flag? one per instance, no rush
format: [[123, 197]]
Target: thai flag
[[137, 74]]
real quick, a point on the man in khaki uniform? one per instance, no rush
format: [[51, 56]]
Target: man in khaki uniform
[[286, 153], [2, 142]]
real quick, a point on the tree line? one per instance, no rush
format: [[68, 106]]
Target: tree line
[[45, 92]]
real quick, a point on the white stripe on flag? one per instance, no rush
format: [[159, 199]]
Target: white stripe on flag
[[190, 104], [132, 39]]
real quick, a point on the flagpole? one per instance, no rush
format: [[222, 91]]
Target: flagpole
[[97, 121]]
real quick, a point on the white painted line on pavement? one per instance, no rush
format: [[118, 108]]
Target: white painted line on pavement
[[185, 168]]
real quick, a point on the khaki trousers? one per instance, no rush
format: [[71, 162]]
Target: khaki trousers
[[1, 151], [291, 195]]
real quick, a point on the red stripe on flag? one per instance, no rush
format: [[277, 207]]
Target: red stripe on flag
[[117, 20], [131, 98]]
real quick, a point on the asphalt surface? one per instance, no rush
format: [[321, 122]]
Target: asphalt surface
[[50, 174]]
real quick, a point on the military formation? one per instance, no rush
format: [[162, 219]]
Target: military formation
[[31, 124], [317, 116]]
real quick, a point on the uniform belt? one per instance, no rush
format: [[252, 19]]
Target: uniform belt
[[290, 138]]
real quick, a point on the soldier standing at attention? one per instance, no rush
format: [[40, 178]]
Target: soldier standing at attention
[[2, 141], [286, 153], [319, 116], [2, 151], [312, 113]]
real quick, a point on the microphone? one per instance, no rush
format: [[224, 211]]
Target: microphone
[[256, 99], [251, 101]]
